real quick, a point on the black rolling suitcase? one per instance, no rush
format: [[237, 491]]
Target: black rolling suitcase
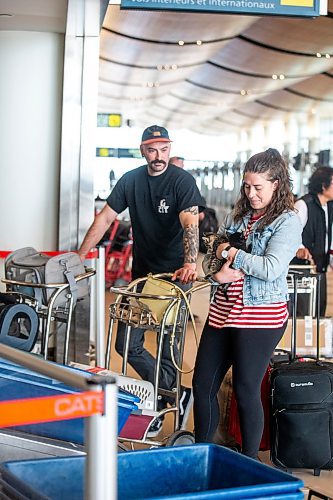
[[302, 408]]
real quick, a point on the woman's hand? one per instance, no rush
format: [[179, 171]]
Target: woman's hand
[[227, 274], [304, 254]]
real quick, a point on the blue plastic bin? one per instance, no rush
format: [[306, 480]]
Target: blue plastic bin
[[17, 382], [183, 472]]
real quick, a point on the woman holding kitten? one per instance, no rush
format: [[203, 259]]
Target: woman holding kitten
[[248, 312]]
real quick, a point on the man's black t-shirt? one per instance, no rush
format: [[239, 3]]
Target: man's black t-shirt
[[154, 204]]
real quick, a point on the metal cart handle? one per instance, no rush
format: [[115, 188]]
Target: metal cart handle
[[79, 277]]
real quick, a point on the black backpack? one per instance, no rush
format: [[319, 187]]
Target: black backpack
[[209, 224]]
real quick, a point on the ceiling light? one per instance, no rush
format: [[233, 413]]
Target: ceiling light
[[166, 67], [181, 42], [318, 54], [151, 84], [243, 92], [275, 77], [282, 77], [199, 42], [327, 56]]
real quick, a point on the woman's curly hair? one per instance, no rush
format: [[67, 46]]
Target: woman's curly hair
[[271, 163]]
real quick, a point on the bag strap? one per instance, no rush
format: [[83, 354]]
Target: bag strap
[[69, 275], [184, 296]]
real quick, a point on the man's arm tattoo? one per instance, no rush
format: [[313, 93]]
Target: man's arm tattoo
[[191, 243], [192, 210]]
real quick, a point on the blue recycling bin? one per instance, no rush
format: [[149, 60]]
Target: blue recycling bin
[[17, 382], [183, 472]]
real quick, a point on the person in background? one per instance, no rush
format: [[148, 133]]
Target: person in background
[[247, 320], [315, 211], [178, 161], [164, 204]]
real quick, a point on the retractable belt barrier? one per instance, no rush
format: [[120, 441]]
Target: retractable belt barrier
[[91, 255], [28, 411]]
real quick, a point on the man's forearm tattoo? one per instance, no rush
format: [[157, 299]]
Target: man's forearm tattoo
[[191, 243], [192, 210]]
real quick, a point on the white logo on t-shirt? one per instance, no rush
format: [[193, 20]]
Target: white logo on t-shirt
[[163, 207]]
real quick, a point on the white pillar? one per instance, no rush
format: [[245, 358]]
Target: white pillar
[[30, 102]]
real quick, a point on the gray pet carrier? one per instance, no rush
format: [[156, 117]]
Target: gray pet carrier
[[26, 265]]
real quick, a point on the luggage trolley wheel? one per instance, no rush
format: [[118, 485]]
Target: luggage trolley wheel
[[180, 438]]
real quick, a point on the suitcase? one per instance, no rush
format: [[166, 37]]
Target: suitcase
[[302, 407], [279, 356], [234, 426]]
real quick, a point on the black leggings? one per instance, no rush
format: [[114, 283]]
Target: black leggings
[[248, 351]]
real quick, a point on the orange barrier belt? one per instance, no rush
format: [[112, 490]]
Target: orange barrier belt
[[50, 408]]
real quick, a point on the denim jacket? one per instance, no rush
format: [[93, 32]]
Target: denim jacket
[[266, 266]]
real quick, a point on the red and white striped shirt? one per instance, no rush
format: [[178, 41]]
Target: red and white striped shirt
[[230, 310]]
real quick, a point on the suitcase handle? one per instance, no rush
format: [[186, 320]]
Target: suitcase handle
[[274, 359], [304, 273]]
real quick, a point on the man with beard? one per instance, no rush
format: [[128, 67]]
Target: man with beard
[[164, 204]]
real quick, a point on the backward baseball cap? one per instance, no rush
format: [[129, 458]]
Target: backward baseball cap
[[155, 133]]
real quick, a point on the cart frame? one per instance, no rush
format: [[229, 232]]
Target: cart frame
[[50, 312], [122, 310]]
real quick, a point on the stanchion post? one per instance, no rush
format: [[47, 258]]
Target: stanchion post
[[100, 307], [93, 307], [101, 441]]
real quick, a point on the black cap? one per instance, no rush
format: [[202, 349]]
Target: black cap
[[154, 133]]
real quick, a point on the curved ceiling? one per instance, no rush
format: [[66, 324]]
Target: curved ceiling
[[219, 80], [230, 72]]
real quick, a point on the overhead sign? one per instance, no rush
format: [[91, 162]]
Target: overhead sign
[[108, 120], [119, 152], [299, 8]]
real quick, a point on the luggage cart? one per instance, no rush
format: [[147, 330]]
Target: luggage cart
[[118, 254], [52, 312], [128, 309], [306, 284]]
